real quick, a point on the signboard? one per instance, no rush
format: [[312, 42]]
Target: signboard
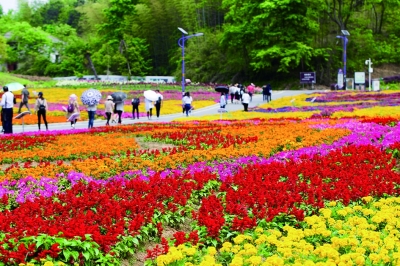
[[307, 77], [349, 84], [359, 77], [376, 84], [340, 79]]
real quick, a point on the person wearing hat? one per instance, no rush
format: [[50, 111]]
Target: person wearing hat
[[41, 107], [7, 103], [73, 108], [109, 108]]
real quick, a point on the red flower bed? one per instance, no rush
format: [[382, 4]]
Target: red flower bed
[[345, 175], [103, 211]]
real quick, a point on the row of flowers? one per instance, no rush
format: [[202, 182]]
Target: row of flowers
[[116, 149], [110, 211]]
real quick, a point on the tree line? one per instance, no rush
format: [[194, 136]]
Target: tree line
[[243, 40]]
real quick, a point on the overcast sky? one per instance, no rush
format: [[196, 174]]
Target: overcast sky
[[8, 4]]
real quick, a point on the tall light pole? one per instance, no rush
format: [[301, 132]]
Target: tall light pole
[[344, 40], [181, 43], [369, 63]]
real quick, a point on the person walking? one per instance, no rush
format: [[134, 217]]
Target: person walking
[[232, 90], [41, 107], [73, 107], [109, 108], [187, 102], [269, 93], [245, 100], [24, 99], [119, 106], [91, 114], [250, 90], [264, 92], [149, 108], [158, 103], [222, 101], [7, 103], [135, 107]]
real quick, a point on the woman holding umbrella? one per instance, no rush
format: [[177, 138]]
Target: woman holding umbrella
[[73, 108], [91, 98]]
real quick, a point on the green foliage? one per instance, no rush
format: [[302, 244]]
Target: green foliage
[[244, 40]]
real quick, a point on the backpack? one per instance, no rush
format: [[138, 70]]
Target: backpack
[[70, 108], [135, 101], [158, 101]]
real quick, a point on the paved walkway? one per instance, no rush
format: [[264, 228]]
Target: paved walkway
[[257, 100]]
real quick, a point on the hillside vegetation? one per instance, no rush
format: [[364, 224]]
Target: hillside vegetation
[[245, 41]]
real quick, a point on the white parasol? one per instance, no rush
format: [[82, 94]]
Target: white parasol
[[151, 95]]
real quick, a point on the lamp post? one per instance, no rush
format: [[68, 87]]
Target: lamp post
[[369, 63], [181, 43], [344, 40]]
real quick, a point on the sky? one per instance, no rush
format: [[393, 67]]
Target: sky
[[8, 4]]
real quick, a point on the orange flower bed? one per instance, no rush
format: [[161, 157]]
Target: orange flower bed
[[272, 137]]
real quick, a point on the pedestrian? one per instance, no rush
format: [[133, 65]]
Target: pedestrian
[[222, 101], [158, 103], [250, 90], [109, 108], [232, 90], [237, 95], [187, 102], [135, 107], [245, 100], [91, 114], [269, 93], [24, 99], [73, 107], [7, 103], [41, 107], [119, 107], [264, 92], [149, 108]]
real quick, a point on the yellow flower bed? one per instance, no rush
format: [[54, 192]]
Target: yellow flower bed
[[376, 111], [241, 115], [360, 234]]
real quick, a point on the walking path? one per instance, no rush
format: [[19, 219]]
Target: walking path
[[210, 110]]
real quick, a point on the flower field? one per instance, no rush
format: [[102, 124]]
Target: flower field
[[58, 97], [311, 183]]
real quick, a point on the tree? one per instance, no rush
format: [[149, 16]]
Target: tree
[[3, 49]]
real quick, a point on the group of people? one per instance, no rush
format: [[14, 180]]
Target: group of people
[[239, 93], [8, 100]]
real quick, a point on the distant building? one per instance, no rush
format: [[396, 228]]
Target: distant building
[[11, 66]]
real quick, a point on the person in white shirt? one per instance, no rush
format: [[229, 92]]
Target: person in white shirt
[[7, 103], [119, 106], [245, 100], [158, 103], [222, 101], [149, 107], [187, 102]]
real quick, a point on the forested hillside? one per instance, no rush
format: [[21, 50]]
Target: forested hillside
[[243, 40]]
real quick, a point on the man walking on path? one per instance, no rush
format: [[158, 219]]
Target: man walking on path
[[24, 99], [158, 103], [7, 102]]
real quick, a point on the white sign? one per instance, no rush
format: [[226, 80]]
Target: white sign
[[376, 84], [359, 77], [340, 80]]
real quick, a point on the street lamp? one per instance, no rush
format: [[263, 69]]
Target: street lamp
[[345, 40], [181, 43], [369, 63]]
